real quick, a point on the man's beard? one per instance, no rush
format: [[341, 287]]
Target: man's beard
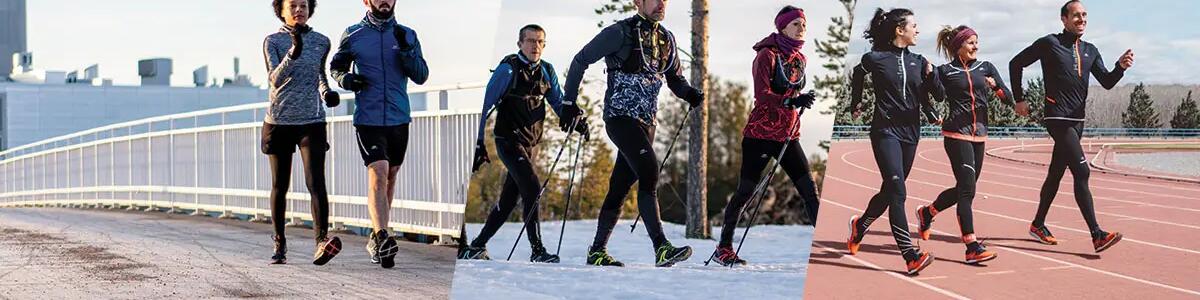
[[382, 15]]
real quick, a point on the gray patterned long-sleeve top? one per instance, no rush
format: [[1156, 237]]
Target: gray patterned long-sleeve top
[[296, 86]]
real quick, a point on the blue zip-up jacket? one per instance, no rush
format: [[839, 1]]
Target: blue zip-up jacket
[[502, 84], [376, 55]]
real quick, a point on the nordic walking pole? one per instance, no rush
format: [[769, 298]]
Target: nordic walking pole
[[666, 158], [524, 221], [570, 189], [759, 190], [758, 206]]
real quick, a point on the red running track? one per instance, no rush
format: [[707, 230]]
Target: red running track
[[1159, 257]]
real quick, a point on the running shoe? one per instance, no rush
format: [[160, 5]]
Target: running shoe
[[727, 257], [540, 255], [668, 255], [924, 221], [601, 258], [1106, 240], [469, 252], [280, 255], [855, 236], [327, 248], [1042, 235], [977, 253], [382, 249], [915, 266]]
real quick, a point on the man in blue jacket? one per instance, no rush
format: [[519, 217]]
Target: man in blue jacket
[[519, 89], [385, 55]]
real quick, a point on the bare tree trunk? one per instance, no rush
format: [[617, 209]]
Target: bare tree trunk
[[697, 170]]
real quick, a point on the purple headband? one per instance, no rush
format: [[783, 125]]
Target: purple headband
[[962, 36], [786, 18]]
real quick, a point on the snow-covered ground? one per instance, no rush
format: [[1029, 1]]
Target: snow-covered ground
[[778, 257]]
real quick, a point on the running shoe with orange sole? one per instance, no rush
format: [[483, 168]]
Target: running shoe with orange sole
[[924, 224], [854, 241], [1108, 240], [915, 266], [1042, 235], [980, 254]]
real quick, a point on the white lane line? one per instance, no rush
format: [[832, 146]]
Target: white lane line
[[996, 272], [1064, 192], [999, 215], [921, 154], [1060, 262], [1057, 268], [1099, 178], [897, 275]]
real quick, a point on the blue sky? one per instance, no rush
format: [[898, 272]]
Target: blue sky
[[72, 34], [1164, 34]]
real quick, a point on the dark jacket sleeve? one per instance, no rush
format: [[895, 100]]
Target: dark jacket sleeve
[[496, 87], [604, 44], [1001, 89], [1018, 63], [857, 79], [342, 60], [1108, 79], [923, 93], [937, 89], [412, 62], [675, 80]]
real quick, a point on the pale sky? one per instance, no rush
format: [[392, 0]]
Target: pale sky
[[1164, 34], [72, 34]]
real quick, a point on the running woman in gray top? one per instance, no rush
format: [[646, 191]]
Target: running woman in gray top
[[295, 58]]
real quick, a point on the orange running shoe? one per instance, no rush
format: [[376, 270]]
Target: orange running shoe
[[1108, 240], [915, 266], [978, 253], [1042, 235], [855, 238], [924, 222]]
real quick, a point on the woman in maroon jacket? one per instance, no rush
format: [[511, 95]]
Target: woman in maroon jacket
[[773, 130]]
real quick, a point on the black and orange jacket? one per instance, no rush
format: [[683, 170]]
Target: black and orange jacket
[[1066, 62], [901, 91], [964, 88]]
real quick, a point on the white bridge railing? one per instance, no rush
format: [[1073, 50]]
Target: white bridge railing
[[210, 161]]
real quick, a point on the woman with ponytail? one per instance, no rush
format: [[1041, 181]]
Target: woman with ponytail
[[965, 83], [773, 129], [901, 80]]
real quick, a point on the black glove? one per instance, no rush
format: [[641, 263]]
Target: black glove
[[694, 98], [804, 100], [481, 156], [568, 115], [332, 99], [401, 38], [582, 128], [353, 82], [297, 41]]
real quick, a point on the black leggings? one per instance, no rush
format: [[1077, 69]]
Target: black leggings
[[636, 162], [756, 154], [312, 144], [895, 159], [1068, 154], [520, 181], [966, 160]]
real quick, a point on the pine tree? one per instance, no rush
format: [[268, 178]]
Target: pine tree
[[1140, 113], [837, 85], [1187, 116]]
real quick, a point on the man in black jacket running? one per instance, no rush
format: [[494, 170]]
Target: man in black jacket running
[[1067, 61]]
